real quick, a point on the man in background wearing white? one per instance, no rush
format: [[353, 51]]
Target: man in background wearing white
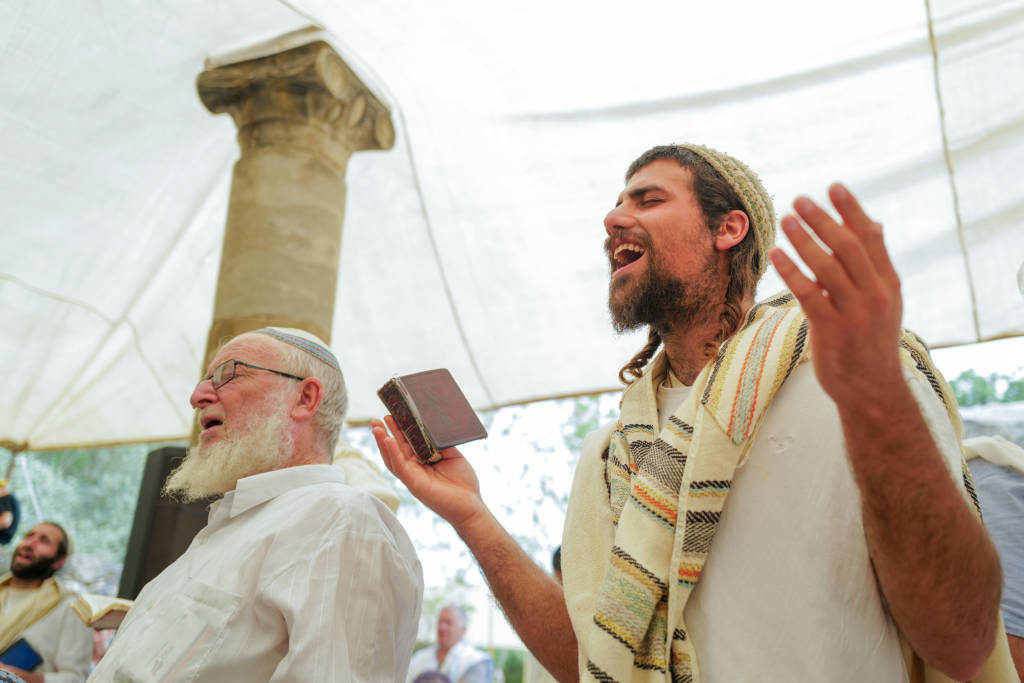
[[459, 661]]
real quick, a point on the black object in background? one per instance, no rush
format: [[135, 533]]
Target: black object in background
[[163, 528], [10, 504]]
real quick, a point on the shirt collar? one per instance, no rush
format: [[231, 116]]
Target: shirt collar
[[259, 488]]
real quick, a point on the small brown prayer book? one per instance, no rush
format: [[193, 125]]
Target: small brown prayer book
[[431, 411]]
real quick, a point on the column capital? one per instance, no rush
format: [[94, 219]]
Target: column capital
[[303, 96]]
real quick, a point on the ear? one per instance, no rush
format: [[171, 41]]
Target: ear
[[60, 563], [311, 395], [733, 229]]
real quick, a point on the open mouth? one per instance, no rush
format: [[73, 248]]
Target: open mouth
[[208, 422], [626, 254]]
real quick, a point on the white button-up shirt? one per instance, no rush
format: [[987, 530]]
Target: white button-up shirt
[[296, 577]]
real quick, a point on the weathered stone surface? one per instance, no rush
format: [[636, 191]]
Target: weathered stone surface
[[300, 114]]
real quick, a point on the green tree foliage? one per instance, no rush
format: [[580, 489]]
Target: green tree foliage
[[972, 389]]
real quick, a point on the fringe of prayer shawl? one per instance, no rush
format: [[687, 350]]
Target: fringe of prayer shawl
[[666, 504]]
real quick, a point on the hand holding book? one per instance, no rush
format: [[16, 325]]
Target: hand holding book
[[431, 411], [448, 484]]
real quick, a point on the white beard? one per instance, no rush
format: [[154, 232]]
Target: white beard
[[259, 444]]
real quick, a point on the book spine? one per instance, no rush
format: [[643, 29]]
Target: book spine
[[408, 418]]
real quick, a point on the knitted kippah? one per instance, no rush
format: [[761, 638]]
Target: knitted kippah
[[756, 200], [304, 340]]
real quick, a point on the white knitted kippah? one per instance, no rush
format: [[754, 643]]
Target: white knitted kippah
[[756, 200], [307, 341]]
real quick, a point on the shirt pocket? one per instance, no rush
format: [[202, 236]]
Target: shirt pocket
[[181, 633]]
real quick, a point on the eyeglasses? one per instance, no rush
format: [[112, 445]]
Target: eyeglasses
[[225, 372]]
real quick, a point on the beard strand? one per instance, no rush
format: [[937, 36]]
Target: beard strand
[[663, 300], [258, 445]]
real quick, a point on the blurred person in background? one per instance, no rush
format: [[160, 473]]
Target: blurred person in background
[[459, 661], [36, 607]]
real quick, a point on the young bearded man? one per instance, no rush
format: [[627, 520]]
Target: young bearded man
[[783, 496]]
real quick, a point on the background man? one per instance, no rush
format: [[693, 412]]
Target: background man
[[297, 576], [832, 489], [459, 661], [36, 607]]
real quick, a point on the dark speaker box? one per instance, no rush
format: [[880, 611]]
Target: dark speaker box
[[163, 528]]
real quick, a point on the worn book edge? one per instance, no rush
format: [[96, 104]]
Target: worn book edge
[[423, 446], [101, 611]]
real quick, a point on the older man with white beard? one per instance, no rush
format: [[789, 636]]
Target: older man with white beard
[[297, 576]]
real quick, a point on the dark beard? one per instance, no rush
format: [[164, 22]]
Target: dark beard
[[662, 300], [39, 568]]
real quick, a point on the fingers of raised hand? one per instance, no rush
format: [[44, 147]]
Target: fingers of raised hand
[[393, 446], [844, 264], [385, 443], [868, 231], [806, 291]]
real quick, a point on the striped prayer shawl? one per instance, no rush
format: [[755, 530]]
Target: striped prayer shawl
[[666, 491]]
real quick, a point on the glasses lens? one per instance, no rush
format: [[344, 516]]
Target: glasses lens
[[223, 373]]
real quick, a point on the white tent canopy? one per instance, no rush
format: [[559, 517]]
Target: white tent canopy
[[475, 244]]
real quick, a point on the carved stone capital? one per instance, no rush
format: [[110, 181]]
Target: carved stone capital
[[305, 97]]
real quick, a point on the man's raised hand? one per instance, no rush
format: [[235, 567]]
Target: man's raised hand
[[853, 303], [449, 487]]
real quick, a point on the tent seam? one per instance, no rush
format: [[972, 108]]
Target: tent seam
[[112, 323], [950, 171], [421, 199]]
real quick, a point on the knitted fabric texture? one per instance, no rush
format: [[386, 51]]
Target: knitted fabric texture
[[756, 200], [311, 345]]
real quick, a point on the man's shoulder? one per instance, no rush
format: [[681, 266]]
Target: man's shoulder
[[333, 507], [333, 493], [596, 441]]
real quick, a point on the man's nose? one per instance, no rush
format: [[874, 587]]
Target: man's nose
[[618, 218], [203, 394]]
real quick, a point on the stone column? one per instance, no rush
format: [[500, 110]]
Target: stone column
[[300, 113]]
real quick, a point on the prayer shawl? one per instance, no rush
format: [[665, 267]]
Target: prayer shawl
[[665, 491], [30, 610], [996, 450]]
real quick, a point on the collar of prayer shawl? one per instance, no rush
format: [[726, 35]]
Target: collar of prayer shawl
[[670, 380], [753, 363]]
